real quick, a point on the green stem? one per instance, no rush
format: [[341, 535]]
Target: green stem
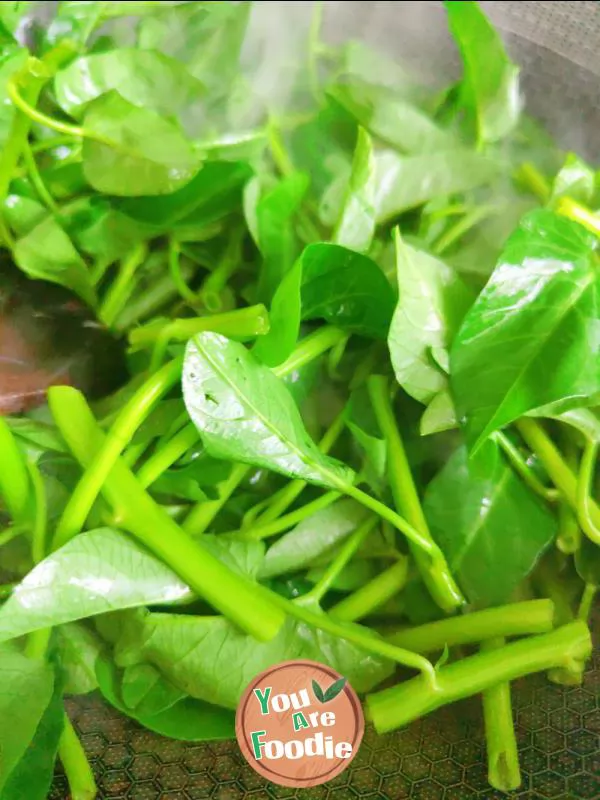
[[560, 474], [575, 211], [167, 455], [40, 521], [344, 555], [37, 180], [288, 521], [432, 564], [517, 619], [50, 144], [77, 768], [504, 772], [149, 302], [243, 323], [122, 287], [26, 105], [532, 178], [175, 269], [280, 502], [310, 348], [395, 707], [11, 533], [133, 413], [584, 484], [233, 595], [568, 539], [461, 227], [37, 643], [523, 469], [373, 594], [210, 292], [203, 513], [14, 478], [278, 151], [585, 606], [357, 634]]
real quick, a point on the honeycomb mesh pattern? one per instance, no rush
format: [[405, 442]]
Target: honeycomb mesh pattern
[[441, 757]]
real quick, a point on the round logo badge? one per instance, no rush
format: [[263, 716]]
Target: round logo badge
[[299, 724]]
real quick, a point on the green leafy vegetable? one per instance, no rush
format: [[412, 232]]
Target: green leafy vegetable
[[536, 316], [490, 526]]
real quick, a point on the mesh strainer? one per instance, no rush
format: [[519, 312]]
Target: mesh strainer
[[441, 757]]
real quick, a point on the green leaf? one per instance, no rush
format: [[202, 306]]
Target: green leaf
[[390, 118], [491, 527], [144, 690], [285, 315], [47, 253], [212, 660], [355, 227], [335, 689], [277, 240], [406, 182], [188, 720], [144, 78], [134, 151], [104, 570], [207, 37], [23, 213], [440, 415], [32, 777], [327, 282], [587, 562], [318, 692], [346, 289], [363, 426], [78, 650], [576, 179], [244, 413], [13, 14], [26, 688], [315, 536], [12, 60], [491, 81], [530, 339], [432, 303], [584, 420], [214, 192]]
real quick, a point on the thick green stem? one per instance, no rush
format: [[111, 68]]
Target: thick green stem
[[568, 539], [148, 302], [14, 479], [373, 594], [310, 348], [470, 219], [584, 486], [77, 768], [560, 473], [504, 773], [530, 176], [344, 555], [231, 594], [203, 513], [133, 413], [585, 606], [244, 323], [37, 180], [517, 619], [40, 515], [432, 564], [212, 288], [289, 520], [395, 707], [122, 287]]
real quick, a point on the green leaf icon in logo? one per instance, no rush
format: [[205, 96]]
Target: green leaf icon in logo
[[329, 694]]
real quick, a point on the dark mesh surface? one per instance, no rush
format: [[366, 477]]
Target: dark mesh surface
[[441, 757]]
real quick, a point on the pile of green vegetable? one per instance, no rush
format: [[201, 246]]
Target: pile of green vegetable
[[362, 345]]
